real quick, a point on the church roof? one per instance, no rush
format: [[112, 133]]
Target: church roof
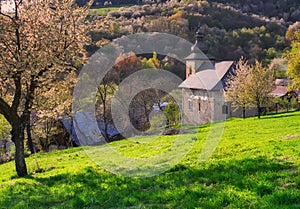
[[200, 48], [199, 56], [209, 79], [196, 56]]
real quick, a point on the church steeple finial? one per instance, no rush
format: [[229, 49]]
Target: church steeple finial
[[199, 35], [199, 45]]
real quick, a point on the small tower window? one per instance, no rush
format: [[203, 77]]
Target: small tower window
[[189, 71], [190, 105], [199, 105]]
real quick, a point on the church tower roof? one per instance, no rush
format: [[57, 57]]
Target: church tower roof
[[200, 48], [199, 44]]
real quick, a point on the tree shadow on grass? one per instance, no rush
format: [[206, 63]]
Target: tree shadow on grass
[[252, 182], [282, 115]]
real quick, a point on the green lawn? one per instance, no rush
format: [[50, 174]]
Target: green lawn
[[256, 165], [103, 11]]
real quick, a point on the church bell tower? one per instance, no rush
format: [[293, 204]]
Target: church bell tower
[[198, 59]]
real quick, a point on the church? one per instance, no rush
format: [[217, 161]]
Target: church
[[203, 90]]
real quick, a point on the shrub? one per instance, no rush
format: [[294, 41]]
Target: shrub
[[172, 112]]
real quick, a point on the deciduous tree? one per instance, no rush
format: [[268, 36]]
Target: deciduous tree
[[293, 57], [39, 41], [236, 86], [126, 64], [250, 85]]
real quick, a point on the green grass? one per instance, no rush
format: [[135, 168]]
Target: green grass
[[103, 11], [256, 165]]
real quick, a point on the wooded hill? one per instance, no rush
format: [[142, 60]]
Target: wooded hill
[[289, 10], [253, 29]]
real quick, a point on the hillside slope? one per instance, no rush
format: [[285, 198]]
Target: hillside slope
[[252, 29], [256, 165]]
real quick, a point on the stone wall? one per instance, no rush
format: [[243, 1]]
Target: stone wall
[[200, 107]]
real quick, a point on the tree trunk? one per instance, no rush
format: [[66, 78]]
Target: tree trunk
[[29, 138], [244, 112], [48, 127], [18, 139], [46, 145], [106, 136], [105, 121], [258, 111]]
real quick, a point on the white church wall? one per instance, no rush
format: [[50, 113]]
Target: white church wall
[[200, 107]]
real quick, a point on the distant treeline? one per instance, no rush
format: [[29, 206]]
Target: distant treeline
[[100, 3], [286, 9]]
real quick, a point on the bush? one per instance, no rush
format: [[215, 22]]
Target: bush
[[172, 112], [114, 14]]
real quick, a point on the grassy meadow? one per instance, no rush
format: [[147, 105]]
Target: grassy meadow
[[103, 11], [255, 165]]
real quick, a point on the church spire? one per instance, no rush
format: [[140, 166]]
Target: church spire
[[199, 45]]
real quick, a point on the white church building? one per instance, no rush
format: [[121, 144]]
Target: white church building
[[203, 90]]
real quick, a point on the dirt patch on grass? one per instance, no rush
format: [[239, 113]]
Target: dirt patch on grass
[[291, 170], [288, 184], [294, 136]]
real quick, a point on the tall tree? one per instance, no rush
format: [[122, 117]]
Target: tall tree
[[49, 109], [250, 85], [294, 61], [105, 91], [236, 86], [39, 42], [126, 64], [260, 83]]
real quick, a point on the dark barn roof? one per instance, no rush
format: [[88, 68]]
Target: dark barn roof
[[70, 126]]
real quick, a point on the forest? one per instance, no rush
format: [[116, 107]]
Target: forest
[[254, 29]]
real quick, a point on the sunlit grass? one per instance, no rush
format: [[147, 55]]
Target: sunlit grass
[[103, 11], [256, 165]]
